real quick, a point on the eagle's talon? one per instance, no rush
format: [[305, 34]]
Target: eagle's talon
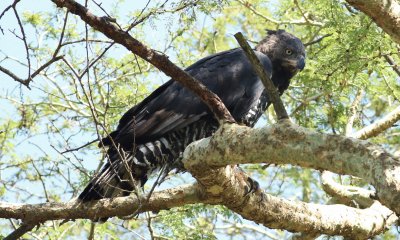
[[254, 186]]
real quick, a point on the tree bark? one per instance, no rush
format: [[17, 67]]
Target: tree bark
[[286, 143], [282, 143]]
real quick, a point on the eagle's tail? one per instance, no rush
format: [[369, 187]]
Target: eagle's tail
[[127, 170]]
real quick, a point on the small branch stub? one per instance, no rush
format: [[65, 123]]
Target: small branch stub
[[268, 84]]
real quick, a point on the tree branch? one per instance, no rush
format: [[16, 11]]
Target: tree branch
[[317, 40], [219, 186], [226, 186], [15, 77], [27, 81], [386, 14], [379, 126], [285, 143], [392, 63], [19, 232], [120, 206], [346, 194], [160, 61], [267, 82]]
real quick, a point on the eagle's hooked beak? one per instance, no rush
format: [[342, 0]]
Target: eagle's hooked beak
[[301, 63]]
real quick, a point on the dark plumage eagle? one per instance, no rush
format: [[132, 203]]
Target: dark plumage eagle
[[153, 134]]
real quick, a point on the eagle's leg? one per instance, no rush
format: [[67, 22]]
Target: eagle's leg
[[250, 185]]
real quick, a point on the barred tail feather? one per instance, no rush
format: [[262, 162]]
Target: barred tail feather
[[115, 179], [126, 170]]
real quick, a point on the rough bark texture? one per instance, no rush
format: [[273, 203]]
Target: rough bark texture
[[229, 187], [285, 143], [121, 206], [160, 61], [282, 143], [386, 13], [222, 186]]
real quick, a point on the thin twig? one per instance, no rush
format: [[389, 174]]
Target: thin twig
[[61, 36], [15, 77], [24, 40], [317, 40], [51, 61], [392, 63], [353, 111], [13, 5], [78, 148]]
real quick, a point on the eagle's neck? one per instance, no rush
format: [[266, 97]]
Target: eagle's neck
[[281, 76]]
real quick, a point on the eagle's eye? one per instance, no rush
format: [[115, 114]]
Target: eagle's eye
[[289, 52]]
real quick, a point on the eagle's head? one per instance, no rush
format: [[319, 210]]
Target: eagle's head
[[286, 52]]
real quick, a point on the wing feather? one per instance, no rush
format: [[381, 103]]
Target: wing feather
[[171, 107]]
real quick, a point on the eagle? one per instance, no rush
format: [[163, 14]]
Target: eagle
[[153, 134]]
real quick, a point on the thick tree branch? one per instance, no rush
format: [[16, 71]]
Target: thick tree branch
[[220, 186], [385, 13], [121, 206], [226, 185], [280, 143], [285, 143], [260, 70], [160, 61]]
